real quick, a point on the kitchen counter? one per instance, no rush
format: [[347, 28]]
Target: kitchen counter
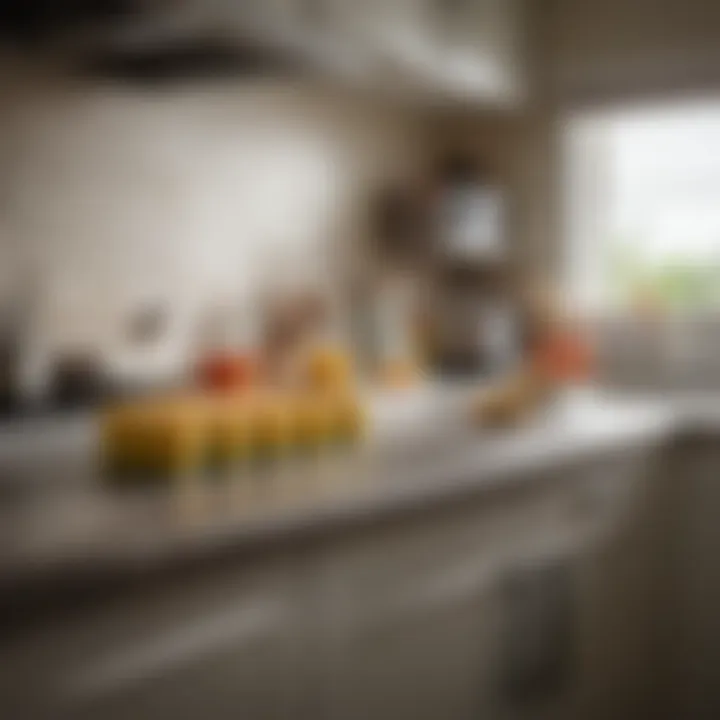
[[385, 573], [63, 520]]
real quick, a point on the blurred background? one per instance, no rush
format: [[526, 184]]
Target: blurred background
[[359, 359]]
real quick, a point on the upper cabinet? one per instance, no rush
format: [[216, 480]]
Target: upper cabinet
[[460, 48], [423, 49], [468, 49]]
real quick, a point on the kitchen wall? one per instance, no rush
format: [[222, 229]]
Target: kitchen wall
[[113, 198]]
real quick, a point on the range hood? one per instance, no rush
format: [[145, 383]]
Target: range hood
[[155, 40], [422, 45]]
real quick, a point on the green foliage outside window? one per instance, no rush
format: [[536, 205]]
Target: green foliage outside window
[[676, 283]]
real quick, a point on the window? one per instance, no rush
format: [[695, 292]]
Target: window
[[643, 208]]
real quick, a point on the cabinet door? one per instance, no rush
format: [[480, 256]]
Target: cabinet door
[[419, 622], [405, 622], [614, 590], [413, 612], [219, 647], [692, 594]]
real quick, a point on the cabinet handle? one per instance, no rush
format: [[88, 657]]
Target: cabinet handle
[[175, 649]]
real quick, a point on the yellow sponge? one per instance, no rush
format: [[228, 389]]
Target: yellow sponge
[[229, 429], [166, 436], [329, 369]]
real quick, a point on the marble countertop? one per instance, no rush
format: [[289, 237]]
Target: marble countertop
[[58, 515]]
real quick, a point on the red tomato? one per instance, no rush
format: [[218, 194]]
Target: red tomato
[[564, 358], [226, 372]]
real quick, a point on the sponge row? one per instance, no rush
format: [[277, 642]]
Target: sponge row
[[178, 435]]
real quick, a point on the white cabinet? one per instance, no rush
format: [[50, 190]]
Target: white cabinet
[[406, 620], [467, 48], [691, 632], [527, 606], [454, 48], [526, 601], [216, 645], [478, 47]]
